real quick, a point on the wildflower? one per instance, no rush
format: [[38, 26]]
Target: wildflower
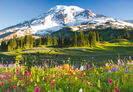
[[2, 83], [52, 83], [126, 71], [113, 69], [84, 81], [117, 90], [4, 77], [21, 77], [14, 87], [7, 76], [37, 89], [79, 77], [0, 78], [47, 77], [108, 72], [80, 90], [110, 80], [28, 80], [27, 74], [11, 73], [4, 73], [9, 80], [8, 89], [119, 62], [90, 84]]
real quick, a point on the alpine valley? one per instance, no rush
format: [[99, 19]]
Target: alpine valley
[[59, 17]]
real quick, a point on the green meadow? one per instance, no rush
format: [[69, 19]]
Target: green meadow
[[103, 52]]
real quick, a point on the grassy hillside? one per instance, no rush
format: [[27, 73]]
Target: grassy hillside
[[103, 52]]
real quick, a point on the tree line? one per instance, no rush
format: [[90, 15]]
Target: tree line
[[79, 39]]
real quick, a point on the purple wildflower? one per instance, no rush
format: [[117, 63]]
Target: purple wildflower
[[126, 71]]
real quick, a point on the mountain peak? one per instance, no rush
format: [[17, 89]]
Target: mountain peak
[[62, 16], [61, 7]]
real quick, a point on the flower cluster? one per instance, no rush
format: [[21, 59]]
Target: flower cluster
[[89, 78]]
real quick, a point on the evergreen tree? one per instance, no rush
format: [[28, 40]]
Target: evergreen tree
[[31, 41], [10, 45], [49, 40], [92, 38], [86, 41], [67, 41], [97, 37], [40, 41], [81, 39], [3, 45], [14, 43], [55, 41], [75, 40], [27, 42], [60, 40]]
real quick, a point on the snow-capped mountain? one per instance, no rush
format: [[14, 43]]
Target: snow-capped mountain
[[130, 21], [62, 16]]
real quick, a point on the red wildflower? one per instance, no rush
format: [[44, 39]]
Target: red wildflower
[[2, 83]]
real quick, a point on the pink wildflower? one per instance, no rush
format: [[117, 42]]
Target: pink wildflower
[[8, 89], [14, 87], [90, 85], [110, 80], [37, 89], [117, 90], [84, 81], [28, 80], [52, 83], [47, 77], [4, 77]]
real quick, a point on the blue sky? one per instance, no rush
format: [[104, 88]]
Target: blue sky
[[15, 11]]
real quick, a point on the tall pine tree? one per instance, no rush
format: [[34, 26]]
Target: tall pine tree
[[75, 40], [55, 41]]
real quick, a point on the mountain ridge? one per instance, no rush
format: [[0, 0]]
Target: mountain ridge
[[62, 16]]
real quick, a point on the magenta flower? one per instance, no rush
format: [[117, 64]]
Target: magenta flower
[[84, 81], [0, 78], [47, 77], [110, 80], [91, 85], [117, 90], [27, 74], [7, 76], [37, 89], [52, 83], [4, 77], [21, 77], [4, 73], [9, 80], [28, 80], [8, 89], [14, 87]]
